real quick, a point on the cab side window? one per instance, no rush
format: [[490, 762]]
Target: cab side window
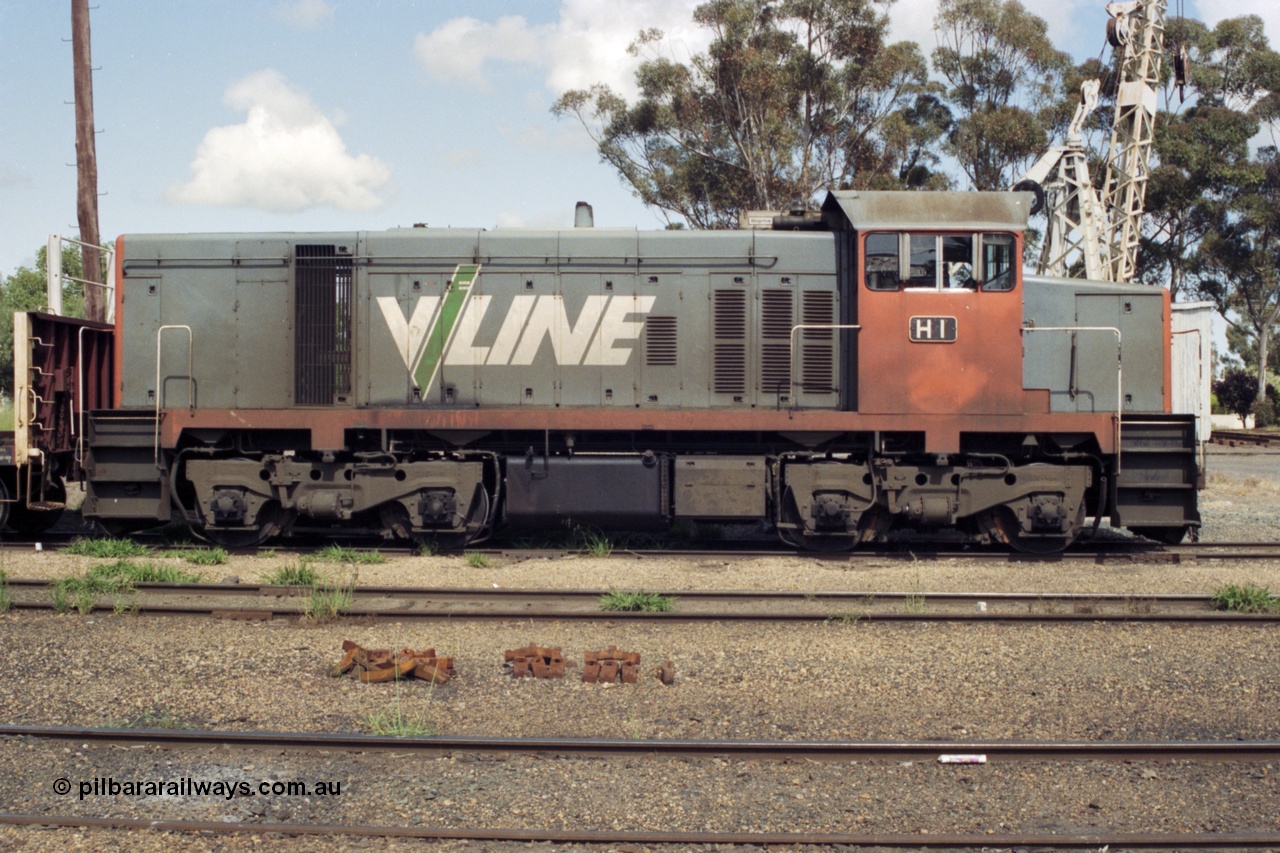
[[957, 262], [997, 262], [924, 261], [881, 261]]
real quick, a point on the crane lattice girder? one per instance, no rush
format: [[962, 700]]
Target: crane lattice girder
[[1075, 218], [1103, 228], [1124, 186]]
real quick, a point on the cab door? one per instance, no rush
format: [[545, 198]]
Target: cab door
[[941, 316]]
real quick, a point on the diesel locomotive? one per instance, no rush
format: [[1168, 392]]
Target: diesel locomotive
[[880, 365]]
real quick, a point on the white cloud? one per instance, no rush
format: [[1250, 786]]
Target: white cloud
[[587, 45], [11, 177], [1213, 11], [459, 49], [912, 20], [542, 219], [305, 14], [286, 156], [462, 159]]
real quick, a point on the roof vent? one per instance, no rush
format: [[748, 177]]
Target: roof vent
[[583, 217]]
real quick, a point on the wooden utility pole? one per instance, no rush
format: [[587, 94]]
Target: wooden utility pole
[[86, 163]]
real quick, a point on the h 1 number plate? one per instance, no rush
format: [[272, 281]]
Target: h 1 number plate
[[932, 330]]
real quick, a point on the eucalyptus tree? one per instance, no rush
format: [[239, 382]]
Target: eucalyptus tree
[[1202, 145], [1004, 87], [790, 98], [1239, 262]]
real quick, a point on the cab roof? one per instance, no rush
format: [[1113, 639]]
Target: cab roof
[[898, 210]]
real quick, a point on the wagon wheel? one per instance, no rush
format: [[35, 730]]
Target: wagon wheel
[[38, 516]]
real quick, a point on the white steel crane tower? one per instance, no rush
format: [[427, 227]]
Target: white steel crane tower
[[1103, 228]]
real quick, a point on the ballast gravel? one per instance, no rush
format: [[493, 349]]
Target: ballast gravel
[[845, 680]]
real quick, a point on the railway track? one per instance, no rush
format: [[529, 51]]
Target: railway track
[[1097, 550], [903, 841], [1245, 438], [328, 744], [264, 601], [992, 751]]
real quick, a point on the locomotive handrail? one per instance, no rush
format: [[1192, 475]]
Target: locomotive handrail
[[791, 360], [1119, 369], [54, 276], [443, 261], [191, 395], [79, 401]]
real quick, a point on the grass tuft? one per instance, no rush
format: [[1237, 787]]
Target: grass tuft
[[476, 560], [112, 549], [593, 543], [1246, 598], [329, 598], [637, 601], [130, 573], [6, 598], [207, 556], [394, 722], [155, 718], [342, 554], [83, 593], [299, 575]]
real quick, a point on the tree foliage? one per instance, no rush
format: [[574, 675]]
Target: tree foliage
[[1240, 260], [1005, 87], [1236, 391], [1203, 158], [25, 290], [791, 97]]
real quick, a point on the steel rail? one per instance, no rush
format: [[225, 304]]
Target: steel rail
[[1234, 751], [701, 595], [1085, 550], [931, 841], [1244, 437], [398, 603], [682, 616], [678, 617]]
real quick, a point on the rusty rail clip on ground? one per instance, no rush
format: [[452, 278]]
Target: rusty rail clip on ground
[[536, 661], [371, 665], [609, 666]]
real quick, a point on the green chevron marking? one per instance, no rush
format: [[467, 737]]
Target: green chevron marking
[[454, 300]]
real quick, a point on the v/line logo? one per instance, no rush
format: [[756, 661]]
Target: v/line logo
[[443, 330]]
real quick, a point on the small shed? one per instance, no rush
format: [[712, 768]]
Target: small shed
[[1191, 359]]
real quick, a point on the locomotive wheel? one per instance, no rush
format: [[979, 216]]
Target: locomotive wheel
[[36, 519], [1003, 526], [395, 521], [271, 520]]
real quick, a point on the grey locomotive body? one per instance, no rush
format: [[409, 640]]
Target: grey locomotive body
[[880, 365]]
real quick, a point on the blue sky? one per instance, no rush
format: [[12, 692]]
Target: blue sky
[[320, 114]]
